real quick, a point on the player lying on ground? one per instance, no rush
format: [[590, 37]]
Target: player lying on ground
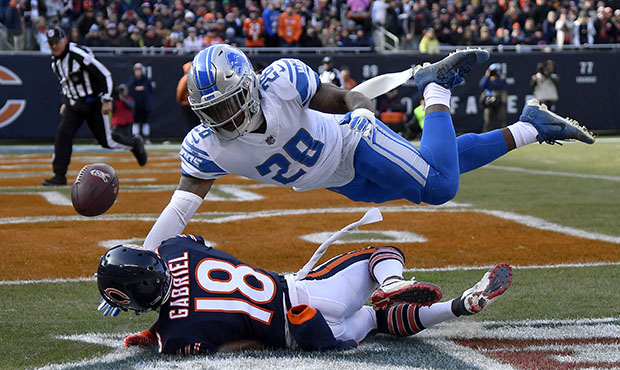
[[285, 128], [208, 301]]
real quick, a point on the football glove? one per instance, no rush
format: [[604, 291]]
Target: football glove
[[361, 120], [143, 339], [107, 309]]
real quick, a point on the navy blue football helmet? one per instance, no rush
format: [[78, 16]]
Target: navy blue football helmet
[[133, 278]]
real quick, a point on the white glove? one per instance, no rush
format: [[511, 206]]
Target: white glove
[[361, 119]]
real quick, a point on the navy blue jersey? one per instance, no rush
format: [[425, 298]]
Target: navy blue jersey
[[216, 299]]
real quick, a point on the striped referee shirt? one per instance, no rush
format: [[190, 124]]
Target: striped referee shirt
[[81, 75]]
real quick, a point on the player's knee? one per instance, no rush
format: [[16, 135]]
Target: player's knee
[[440, 190]]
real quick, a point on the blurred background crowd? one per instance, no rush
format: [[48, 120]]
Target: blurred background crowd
[[190, 25]]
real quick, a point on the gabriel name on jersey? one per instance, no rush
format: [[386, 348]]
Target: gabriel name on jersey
[[216, 299], [301, 147]]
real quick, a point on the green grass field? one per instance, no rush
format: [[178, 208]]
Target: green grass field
[[573, 185]]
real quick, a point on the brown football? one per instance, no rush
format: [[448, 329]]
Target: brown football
[[95, 189]]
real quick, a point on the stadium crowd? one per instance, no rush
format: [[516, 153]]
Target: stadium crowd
[[190, 25]]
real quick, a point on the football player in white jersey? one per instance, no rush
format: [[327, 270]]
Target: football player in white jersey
[[286, 128]]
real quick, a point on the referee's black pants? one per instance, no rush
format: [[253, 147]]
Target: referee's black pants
[[99, 125]]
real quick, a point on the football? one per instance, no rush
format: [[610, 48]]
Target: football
[[95, 189]]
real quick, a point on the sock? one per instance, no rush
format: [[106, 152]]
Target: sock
[[386, 262], [434, 314], [146, 129], [458, 307], [135, 129], [400, 320], [435, 94], [524, 133]]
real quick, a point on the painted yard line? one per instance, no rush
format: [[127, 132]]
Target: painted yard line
[[552, 173], [80, 148], [46, 281], [74, 173], [425, 269], [219, 217]]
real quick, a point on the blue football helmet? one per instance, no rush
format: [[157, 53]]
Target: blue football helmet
[[133, 278], [223, 91]]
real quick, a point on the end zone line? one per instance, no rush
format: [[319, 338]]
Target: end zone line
[[552, 173]]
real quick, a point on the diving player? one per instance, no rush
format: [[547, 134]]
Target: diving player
[[286, 128], [208, 301]]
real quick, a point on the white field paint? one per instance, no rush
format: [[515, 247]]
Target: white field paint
[[414, 269], [553, 173], [440, 337], [56, 198], [367, 236], [223, 217]]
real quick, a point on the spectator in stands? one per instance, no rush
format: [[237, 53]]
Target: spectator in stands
[[141, 91], [192, 43], [548, 28], [151, 39], [583, 30], [429, 43], [377, 12], [86, 20], [349, 82], [41, 36], [93, 37], [271, 16], [361, 38], [539, 11], [112, 38], [146, 13], [493, 98], [329, 74], [135, 37], [545, 84], [607, 30], [253, 29], [564, 27], [211, 38], [234, 25], [289, 27], [485, 37], [311, 38], [74, 35]]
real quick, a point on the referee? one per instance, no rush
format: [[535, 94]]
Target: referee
[[86, 87]]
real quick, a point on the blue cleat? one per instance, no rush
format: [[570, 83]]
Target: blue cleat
[[451, 70], [552, 127]]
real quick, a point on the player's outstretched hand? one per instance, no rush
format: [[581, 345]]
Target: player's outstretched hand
[[143, 339], [107, 309], [361, 120]]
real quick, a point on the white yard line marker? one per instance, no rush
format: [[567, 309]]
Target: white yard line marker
[[552, 173]]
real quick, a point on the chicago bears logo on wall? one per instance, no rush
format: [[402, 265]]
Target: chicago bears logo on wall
[[13, 108], [102, 175], [117, 296]]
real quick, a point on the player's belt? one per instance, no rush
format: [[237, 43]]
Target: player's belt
[[287, 298]]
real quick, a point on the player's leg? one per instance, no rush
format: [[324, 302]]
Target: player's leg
[[63, 146], [405, 319], [340, 287], [99, 125]]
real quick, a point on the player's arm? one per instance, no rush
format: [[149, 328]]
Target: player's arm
[[185, 201], [330, 98], [240, 345]]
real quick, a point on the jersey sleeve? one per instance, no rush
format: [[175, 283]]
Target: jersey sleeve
[[195, 161], [290, 79]]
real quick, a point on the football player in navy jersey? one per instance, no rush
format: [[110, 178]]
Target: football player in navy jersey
[[284, 127], [209, 301]]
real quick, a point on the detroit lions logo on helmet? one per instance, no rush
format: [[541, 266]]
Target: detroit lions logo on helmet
[[102, 175], [117, 296], [236, 62]]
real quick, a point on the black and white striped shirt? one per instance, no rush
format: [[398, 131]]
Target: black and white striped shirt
[[81, 75]]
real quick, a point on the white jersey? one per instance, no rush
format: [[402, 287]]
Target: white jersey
[[301, 147]]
